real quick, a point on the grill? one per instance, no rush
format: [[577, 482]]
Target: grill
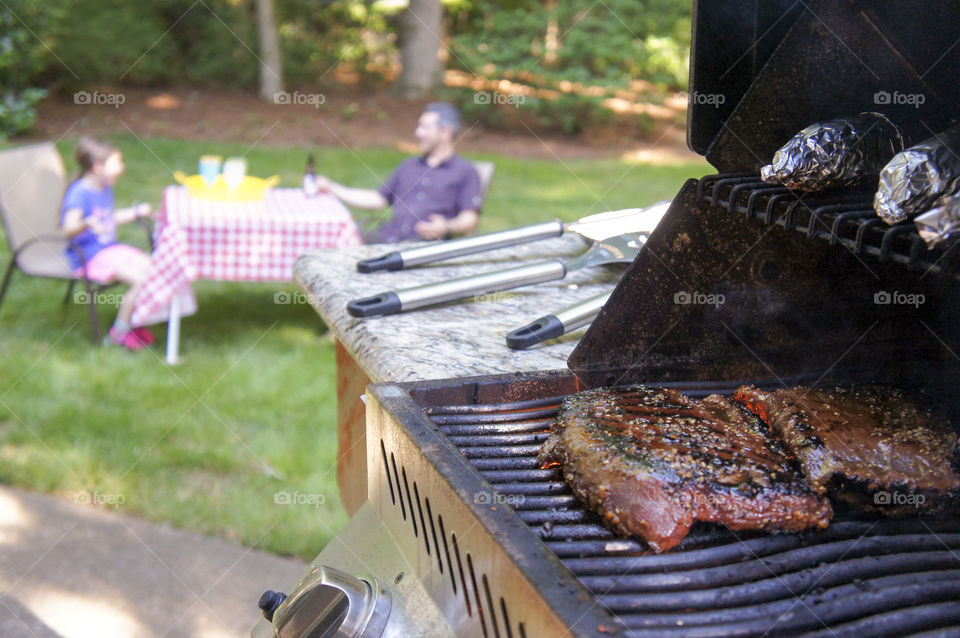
[[844, 218], [862, 576], [471, 532]]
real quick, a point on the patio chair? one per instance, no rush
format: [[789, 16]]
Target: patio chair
[[485, 173], [32, 183]]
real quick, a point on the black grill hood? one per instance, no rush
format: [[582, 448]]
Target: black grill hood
[[803, 277], [781, 65]]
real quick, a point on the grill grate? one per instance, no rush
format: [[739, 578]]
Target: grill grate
[[862, 576], [842, 217]]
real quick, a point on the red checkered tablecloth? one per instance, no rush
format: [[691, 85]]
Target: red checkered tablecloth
[[236, 241]]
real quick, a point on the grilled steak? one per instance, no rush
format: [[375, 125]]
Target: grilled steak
[[651, 461], [870, 447]]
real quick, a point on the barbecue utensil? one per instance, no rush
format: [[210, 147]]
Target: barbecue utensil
[[558, 324], [595, 227], [620, 249]]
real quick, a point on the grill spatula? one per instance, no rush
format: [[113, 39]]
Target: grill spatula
[[594, 227], [619, 249]]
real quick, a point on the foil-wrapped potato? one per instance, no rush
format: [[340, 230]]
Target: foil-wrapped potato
[[914, 179], [835, 153], [941, 223]]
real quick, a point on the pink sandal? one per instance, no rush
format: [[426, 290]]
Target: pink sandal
[[144, 335], [128, 339]]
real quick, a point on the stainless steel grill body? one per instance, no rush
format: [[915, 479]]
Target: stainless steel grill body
[[505, 549]]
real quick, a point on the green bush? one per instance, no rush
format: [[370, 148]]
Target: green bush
[[604, 47], [111, 42], [19, 61], [216, 42], [219, 45], [318, 36]]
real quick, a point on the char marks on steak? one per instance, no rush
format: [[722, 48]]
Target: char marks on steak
[[651, 461], [870, 447]]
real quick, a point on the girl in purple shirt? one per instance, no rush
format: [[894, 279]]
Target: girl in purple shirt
[[88, 218]]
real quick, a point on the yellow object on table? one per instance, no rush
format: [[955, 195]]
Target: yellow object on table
[[251, 189]]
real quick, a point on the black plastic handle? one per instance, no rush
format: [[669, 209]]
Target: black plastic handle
[[386, 303], [389, 261], [546, 327]]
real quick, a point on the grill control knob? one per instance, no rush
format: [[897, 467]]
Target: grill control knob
[[329, 603], [269, 601]]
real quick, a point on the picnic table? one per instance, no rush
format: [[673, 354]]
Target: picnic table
[[232, 241]]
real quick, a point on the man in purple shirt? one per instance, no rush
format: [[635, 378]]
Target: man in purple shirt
[[434, 196]]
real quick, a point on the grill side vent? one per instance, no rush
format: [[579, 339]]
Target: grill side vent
[[492, 620]]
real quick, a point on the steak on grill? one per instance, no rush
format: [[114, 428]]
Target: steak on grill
[[651, 461], [870, 447]]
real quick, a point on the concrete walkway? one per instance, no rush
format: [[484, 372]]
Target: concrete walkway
[[73, 571]]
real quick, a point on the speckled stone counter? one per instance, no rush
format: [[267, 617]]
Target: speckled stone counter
[[456, 339]]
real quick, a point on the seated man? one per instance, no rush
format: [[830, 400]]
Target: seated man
[[434, 196]]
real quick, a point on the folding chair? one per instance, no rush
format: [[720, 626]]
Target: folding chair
[[485, 173], [32, 183]]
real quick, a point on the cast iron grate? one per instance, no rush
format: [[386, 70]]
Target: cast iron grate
[[862, 576], [842, 217]]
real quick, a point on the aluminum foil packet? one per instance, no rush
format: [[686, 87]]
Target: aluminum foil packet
[[835, 153], [941, 223], [914, 179]]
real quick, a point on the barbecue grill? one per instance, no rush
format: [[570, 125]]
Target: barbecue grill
[[742, 282]]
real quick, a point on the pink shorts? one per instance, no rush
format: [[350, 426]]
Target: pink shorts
[[104, 265]]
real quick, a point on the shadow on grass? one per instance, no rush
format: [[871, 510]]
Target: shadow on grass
[[225, 310]]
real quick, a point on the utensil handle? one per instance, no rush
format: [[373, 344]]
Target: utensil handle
[[392, 302], [556, 325], [437, 251]]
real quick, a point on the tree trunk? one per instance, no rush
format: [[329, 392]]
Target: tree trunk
[[271, 67], [421, 36]]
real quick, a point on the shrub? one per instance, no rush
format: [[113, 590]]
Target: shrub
[[19, 61], [568, 57], [108, 43], [317, 37]]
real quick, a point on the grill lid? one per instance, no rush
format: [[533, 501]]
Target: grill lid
[[762, 70], [721, 295]]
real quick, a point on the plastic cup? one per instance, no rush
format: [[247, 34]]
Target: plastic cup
[[209, 168], [234, 172]]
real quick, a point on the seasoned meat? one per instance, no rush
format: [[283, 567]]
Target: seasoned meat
[[651, 461], [870, 447]]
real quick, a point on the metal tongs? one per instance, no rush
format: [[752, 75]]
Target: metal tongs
[[558, 324], [592, 227], [620, 249]]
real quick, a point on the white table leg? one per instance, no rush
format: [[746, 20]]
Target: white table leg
[[173, 330]]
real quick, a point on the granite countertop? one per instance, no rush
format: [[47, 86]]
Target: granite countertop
[[456, 339]]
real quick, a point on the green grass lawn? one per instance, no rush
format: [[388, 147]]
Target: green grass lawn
[[251, 411]]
